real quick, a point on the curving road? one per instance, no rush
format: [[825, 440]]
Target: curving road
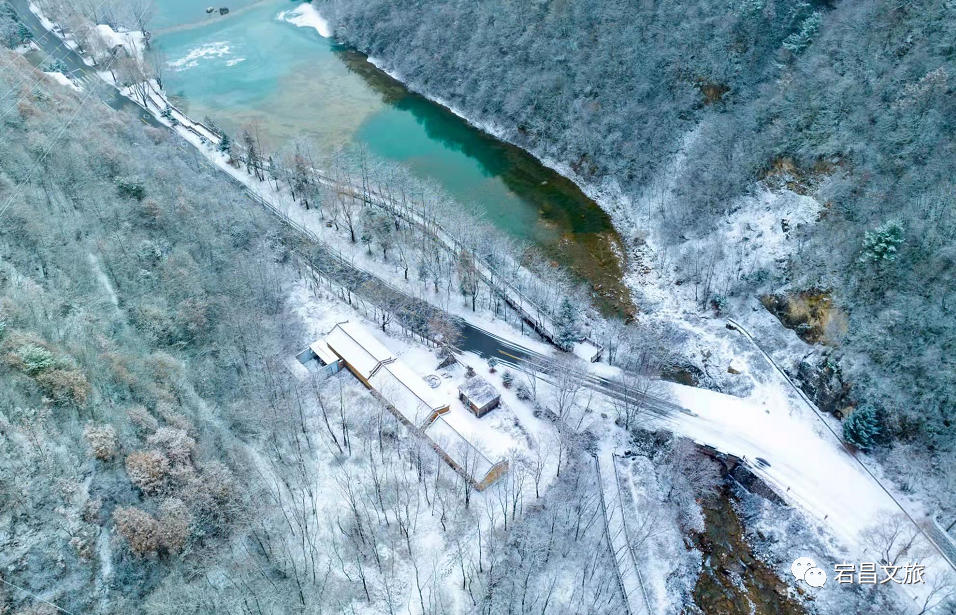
[[78, 70]]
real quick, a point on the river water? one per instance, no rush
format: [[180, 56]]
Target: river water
[[254, 66]]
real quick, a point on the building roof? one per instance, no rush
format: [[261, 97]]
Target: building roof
[[403, 388], [459, 449], [406, 391], [323, 352], [479, 391], [358, 348]]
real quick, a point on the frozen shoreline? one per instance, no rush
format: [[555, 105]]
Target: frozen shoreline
[[307, 16]]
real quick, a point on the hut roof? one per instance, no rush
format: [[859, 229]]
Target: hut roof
[[479, 391]]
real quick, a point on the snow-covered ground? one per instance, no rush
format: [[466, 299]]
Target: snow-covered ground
[[669, 570], [769, 428], [802, 461], [130, 40], [509, 431], [63, 80], [770, 422]]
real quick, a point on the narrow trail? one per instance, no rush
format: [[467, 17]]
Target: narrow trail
[[615, 525]]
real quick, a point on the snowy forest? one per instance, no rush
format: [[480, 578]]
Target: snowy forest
[[168, 444], [155, 460], [851, 102], [157, 457]]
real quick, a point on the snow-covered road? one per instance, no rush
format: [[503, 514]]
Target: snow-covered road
[[792, 451]]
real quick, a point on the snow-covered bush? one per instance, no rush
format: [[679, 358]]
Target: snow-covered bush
[[35, 358], [507, 378], [64, 385], [523, 392], [177, 445], [147, 470], [144, 422], [56, 66], [719, 302], [173, 523], [168, 114], [131, 187], [566, 325], [225, 144], [139, 528], [801, 39], [11, 30]]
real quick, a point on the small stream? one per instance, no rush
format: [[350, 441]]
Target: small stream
[[733, 581], [256, 67]]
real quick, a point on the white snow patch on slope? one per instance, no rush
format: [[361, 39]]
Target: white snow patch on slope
[[63, 80], [104, 279], [307, 16]]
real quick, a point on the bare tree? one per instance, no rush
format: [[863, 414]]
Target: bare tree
[[893, 538], [132, 73], [532, 374], [644, 521], [941, 592], [687, 471], [155, 60], [567, 386], [633, 388], [468, 276], [445, 331], [138, 15], [540, 456]]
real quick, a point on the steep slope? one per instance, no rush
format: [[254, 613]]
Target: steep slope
[[849, 103], [139, 306]]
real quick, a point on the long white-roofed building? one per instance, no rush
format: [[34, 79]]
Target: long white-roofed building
[[411, 400], [362, 353], [402, 389]]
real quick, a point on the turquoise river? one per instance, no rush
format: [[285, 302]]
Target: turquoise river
[[253, 65]]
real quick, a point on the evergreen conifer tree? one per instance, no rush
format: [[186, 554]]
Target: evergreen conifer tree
[[566, 325], [861, 428]]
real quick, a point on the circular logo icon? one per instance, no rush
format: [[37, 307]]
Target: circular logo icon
[[815, 577], [800, 567]]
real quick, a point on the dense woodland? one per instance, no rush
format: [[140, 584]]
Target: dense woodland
[[156, 456], [851, 102]]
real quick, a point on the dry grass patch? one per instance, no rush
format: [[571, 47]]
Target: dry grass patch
[[812, 314]]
